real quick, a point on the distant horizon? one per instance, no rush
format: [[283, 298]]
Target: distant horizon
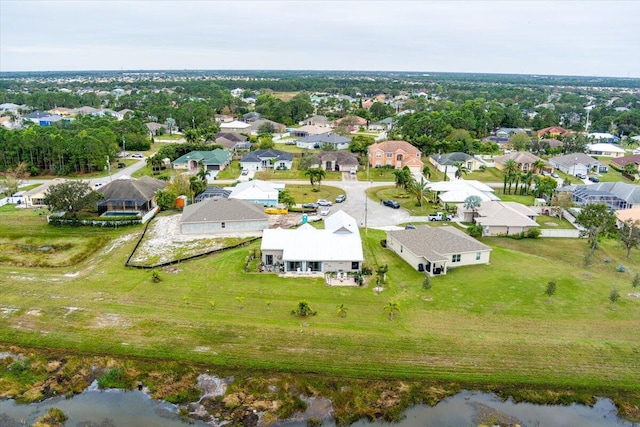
[[596, 38], [250, 70]]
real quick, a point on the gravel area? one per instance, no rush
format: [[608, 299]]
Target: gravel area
[[164, 242]]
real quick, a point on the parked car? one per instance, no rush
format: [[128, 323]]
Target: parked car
[[440, 216], [555, 175], [581, 176], [353, 171], [310, 205], [409, 227], [324, 210], [323, 202], [137, 156], [244, 172], [391, 203], [594, 179], [98, 185], [121, 165], [341, 198]]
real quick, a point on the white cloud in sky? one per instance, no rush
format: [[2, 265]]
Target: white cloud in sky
[[561, 37]]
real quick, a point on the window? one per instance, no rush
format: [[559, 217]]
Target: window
[[268, 259], [378, 154], [455, 258], [478, 255], [314, 265], [355, 265], [401, 248], [389, 155], [223, 225], [399, 157]]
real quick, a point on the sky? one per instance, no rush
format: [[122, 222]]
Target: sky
[[581, 37]]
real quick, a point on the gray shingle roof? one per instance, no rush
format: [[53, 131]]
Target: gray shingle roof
[[451, 158], [437, 243], [258, 155], [340, 157], [627, 192], [132, 189], [212, 210]]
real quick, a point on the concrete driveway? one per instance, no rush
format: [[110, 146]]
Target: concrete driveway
[[362, 209]]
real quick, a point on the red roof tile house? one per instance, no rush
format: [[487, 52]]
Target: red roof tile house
[[397, 154], [552, 131]]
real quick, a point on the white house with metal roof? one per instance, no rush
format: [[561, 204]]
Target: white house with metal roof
[[336, 248], [264, 193], [434, 250]]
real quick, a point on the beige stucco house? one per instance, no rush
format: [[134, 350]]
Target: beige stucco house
[[434, 250]]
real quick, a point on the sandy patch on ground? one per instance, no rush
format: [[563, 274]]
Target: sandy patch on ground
[[7, 311], [164, 242], [110, 320], [34, 312], [119, 242]]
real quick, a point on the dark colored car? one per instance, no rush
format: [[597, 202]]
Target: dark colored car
[[594, 179], [341, 198], [310, 205], [409, 227], [391, 203], [121, 165]]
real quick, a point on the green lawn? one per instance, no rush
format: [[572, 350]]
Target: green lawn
[[406, 201], [612, 175], [487, 175], [489, 324], [306, 193], [552, 222]]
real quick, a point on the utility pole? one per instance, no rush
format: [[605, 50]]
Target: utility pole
[[124, 149]]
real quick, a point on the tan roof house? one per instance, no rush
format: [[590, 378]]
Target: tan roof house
[[397, 154], [499, 218], [35, 197], [523, 159], [624, 215], [436, 249]]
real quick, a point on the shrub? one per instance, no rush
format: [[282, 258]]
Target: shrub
[[636, 280], [607, 261], [383, 243], [475, 230], [621, 268], [303, 309], [426, 283], [533, 233], [155, 277], [367, 270]]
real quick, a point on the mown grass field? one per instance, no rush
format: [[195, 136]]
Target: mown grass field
[[488, 324]]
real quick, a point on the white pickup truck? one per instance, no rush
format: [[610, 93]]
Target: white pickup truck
[[440, 216]]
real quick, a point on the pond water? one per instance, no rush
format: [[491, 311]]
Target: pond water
[[469, 408], [96, 408], [112, 408]]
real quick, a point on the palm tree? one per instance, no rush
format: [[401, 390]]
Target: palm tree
[[202, 172], [473, 203], [419, 190], [526, 179], [315, 175], [381, 271], [510, 169], [538, 165], [461, 169], [342, 310], [403, 177], [392, 308]]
